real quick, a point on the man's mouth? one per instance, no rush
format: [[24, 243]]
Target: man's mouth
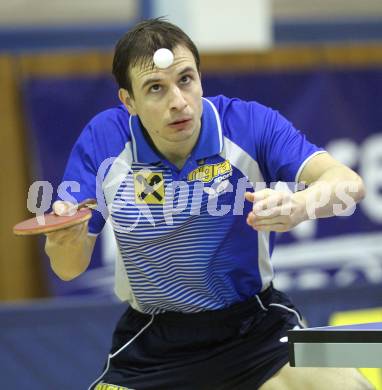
[[180, 123]]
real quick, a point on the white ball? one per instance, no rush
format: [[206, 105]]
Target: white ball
[[163, 58], [59, 208]]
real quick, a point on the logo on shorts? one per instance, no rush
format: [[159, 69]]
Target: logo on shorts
[[107, 386], [149, 187]]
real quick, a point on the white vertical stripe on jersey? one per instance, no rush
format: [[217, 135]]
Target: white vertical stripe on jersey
[[135, 154], [218, 123], [116, 175], [249, 167]]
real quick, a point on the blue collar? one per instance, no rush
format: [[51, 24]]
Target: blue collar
[[210, 140]]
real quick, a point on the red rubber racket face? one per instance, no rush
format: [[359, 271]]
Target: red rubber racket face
[[50, 223]]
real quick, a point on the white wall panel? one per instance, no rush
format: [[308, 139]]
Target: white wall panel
[[64, 12]]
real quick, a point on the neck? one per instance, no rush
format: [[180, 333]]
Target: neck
[[175, 152], [178, 159], [178, 152]]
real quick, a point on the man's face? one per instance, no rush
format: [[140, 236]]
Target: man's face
[[167, 101]]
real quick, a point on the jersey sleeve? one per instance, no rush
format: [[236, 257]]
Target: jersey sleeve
[[80, 177], [281, 150]]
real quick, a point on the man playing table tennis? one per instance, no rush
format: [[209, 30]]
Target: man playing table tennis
[[185, 181]]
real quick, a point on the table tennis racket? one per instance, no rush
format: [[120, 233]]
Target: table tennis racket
[[52, 222]]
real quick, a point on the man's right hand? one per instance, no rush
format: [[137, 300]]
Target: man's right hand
[[69, 249], [70, 234]]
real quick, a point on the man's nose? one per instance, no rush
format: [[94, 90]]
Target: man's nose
[[177, 100]]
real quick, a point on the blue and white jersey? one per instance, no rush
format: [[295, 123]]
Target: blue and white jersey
[[182, 236]]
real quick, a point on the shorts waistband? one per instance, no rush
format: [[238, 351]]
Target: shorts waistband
[[236, 310]]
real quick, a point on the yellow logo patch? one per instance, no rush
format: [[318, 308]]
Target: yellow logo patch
[[107, 386], [206, 173], [149, 187]]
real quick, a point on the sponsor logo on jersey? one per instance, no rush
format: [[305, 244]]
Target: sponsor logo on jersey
[[107, 386], [149, 187], [206, 173]]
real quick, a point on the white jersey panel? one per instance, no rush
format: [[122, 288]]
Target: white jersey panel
[[249, 168]]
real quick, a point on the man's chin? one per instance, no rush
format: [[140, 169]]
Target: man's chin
[[184, 133], [182, 136]]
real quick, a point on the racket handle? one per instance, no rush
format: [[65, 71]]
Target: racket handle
[[89, 203]]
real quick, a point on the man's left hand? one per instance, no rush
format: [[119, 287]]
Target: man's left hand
[[274, 211]]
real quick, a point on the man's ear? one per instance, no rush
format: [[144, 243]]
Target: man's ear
[[127, 101]]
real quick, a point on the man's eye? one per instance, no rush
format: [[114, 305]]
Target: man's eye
[[155, 88], [185, 79]]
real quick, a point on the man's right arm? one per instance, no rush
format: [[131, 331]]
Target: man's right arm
[[70, 249]]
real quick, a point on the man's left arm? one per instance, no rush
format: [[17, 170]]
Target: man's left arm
[[332, 189]]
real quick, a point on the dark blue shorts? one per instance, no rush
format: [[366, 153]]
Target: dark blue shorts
[[235, 348]]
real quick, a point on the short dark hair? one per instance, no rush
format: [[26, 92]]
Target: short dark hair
[[139, 45]]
